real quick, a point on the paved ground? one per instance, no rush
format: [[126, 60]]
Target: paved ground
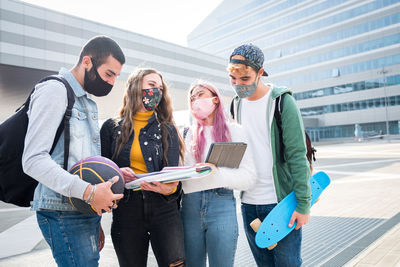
[[366, 183], [356, 222]]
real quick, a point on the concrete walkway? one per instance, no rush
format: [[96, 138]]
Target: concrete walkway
[[367, 185]]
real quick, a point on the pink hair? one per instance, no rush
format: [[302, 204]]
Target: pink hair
[[220, 130]]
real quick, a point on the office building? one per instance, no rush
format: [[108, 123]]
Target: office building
[[35, 42], [340, 57]]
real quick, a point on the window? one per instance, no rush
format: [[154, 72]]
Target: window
[[377, 103], [370, 103], [392, 101], [363, 104], [335, 72]]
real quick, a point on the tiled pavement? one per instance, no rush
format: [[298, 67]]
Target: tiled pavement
[[356, 222]]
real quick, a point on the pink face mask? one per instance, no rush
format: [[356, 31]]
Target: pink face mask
[[203, 107]]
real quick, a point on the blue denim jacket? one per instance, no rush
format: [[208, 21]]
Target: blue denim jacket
[[85, 141]]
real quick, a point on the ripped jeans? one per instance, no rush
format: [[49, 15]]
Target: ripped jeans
[[72, 236]]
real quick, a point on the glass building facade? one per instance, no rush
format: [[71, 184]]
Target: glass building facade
[[341, 58]]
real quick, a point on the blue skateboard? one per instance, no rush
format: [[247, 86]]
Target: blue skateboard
[[275, 225]]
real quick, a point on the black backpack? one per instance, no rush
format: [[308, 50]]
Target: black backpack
[[16, 187], [277, 115]]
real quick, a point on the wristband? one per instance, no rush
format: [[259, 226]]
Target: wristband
[[90, 198]]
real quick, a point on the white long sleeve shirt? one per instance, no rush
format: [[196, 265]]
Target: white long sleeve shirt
[[254, 119], [241, 178]]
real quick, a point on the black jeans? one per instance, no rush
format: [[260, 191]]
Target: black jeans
[[142, 217]]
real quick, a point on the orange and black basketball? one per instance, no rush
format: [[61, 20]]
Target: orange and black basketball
[[95, 170]]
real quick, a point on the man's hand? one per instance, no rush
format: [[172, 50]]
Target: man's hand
[[302, 219], [162, 188], [128, 174], [104, 197]]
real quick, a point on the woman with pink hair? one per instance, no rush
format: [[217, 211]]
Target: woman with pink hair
[[208, 204]]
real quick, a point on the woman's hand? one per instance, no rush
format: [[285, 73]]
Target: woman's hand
[[128, 174], [212, 166], [161, 188]]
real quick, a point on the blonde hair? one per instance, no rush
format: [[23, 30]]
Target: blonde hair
[[240, 69]]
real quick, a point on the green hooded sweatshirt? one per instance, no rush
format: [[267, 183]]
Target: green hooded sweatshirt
[[294, 173]]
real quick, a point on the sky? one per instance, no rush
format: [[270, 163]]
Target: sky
[[168, 20]]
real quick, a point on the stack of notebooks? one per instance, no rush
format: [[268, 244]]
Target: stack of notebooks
[[220, 154]]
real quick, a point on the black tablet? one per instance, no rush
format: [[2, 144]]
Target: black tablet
[[226, 154]]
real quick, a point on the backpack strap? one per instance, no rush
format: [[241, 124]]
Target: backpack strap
[[65, 124], [185, 131], [234, 109], [25, 105], [310, 148], [278, 119]]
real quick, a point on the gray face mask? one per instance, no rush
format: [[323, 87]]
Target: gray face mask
[[244, 91]]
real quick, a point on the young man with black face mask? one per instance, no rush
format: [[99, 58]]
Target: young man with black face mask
[[72, 236], [277, 174]]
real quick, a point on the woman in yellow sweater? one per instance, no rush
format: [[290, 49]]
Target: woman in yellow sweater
[[145, 139]]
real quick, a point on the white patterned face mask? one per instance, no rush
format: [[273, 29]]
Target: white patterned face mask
[[244, 91]]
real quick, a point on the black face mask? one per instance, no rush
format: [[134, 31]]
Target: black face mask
[[98, 86]]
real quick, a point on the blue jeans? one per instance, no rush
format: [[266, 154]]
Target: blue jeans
[[288, 250], [210, 227], [72, 236]]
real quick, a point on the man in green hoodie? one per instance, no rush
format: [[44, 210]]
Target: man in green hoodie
[[281, 165]]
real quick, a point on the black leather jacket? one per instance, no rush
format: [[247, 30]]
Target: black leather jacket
[[150, 144]]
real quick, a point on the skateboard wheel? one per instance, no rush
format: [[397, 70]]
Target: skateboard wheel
[[272, 247], [255, 224]]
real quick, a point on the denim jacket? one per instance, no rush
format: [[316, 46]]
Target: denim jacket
[[55, 184], [151, 146]]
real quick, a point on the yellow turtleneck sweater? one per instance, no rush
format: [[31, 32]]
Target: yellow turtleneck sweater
[[140, 120]]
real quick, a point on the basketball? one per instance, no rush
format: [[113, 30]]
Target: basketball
[[95, 170]]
